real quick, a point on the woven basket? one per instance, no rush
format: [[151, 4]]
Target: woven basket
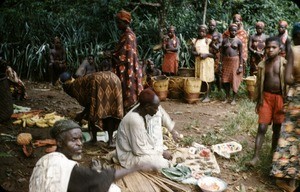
[[6, 102], [192, 88], [176, 87], [160, 85], [251, 85]]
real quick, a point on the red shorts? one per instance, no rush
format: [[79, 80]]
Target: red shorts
[[271, 109]]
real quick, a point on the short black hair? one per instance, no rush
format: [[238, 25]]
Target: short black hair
[[274, 38]]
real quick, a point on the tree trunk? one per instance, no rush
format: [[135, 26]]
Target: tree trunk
[[204, 12]]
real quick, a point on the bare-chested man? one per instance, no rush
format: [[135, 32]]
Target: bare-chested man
[[87, 67], [57, 63], [270, 90]]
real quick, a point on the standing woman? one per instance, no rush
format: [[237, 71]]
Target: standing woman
[[242, 34], [232, 63], [285, 166], [257, 46], [204, 62], [171, 47], [126, 63]]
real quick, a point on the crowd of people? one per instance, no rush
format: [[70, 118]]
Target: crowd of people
[[138, 117]]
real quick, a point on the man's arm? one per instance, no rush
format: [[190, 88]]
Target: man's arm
[[86, 179]]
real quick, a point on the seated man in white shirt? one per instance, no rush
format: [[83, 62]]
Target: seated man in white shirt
[[140, 135]]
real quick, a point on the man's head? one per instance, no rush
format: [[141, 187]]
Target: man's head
[[65, 77], [68, 137], [149, 101], [91, 59], [273, 46]]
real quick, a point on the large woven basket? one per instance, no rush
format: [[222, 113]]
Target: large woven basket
[[6, 102], [192, 88], [176, 87], [251, 86], [160, 85]]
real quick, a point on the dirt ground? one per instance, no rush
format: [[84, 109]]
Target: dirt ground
[[16, 168]]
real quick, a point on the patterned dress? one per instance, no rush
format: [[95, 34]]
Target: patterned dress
[[101, 93], [286, 158], [170, 62], [126, 66]]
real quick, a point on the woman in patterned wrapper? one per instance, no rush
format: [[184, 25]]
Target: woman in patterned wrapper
[[285, 166], [125, 62], [232, 63], [241, 34], [171, 47]]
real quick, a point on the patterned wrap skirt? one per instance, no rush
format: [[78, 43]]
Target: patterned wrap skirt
[[287, 155], [230, 66]]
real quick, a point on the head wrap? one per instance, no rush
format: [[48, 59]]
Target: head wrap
[[202, 26], [238, 16], [296, 29], [146, 96], [260, 24], [124, 16], [171, 28], [283, 23], [233, 25], [62, 126]]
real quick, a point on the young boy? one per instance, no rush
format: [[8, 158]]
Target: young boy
[[270, 90]]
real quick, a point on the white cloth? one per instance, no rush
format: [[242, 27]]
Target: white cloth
[[51, 173], [154, 126], [138, 142]]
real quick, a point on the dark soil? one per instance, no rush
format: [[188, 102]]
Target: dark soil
[[191, 119]]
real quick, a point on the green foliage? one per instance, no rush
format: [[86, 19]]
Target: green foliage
[[28, 27]]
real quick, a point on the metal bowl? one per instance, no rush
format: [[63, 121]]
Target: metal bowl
[[211, 184]]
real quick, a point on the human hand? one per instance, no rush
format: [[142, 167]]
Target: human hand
[[239, 70], [167, 155], [96, 165], [147, 167], [175, 135], [203, 56]]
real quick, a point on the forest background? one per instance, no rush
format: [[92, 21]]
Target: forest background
[[88, 27]]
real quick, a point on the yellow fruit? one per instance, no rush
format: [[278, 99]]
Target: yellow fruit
[[41, 124], [24, 123], [26, 116], [17, 122], [49, 115], [30, 122]]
